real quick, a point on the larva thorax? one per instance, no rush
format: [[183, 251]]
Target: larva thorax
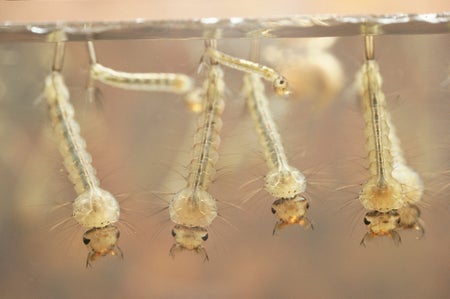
[[96, 208], [193, 207], [285, 183]]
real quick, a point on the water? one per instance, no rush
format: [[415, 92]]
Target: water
[[141, 142]]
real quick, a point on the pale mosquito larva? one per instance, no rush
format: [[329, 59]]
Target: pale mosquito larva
[[163, 82], [94, 208], [392, 185], [193, 208], [283, 181], [279, 83]]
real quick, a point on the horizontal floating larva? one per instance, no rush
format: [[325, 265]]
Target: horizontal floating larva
[[162, 82]]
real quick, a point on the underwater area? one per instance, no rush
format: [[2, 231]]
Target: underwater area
[[141, 144]]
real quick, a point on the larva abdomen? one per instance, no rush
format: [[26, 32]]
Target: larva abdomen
[[382, 192], [165, 82], [71, 145]]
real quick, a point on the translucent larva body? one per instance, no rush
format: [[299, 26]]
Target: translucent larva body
[[279, 83], [283, 181], [382, 192], [393, 187], [94, 207], [162, 82], [193, 208]]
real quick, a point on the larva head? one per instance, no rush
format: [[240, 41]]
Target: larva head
[[101, 242], [291, 211], [96, 208], [189, 238], [183, 84], [281, 86], [382, 224], [285, 184]]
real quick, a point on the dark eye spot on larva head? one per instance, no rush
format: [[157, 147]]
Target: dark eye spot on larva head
[[86, 241], [205, 237], [366, 222], [273, 211], [173, 233], [281, 86]]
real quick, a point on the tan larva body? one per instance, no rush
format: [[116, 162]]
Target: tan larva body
[[382, 192], [393, 187], [193, 209], [164, 82], [94, 207], [279, 83], [283, 181]]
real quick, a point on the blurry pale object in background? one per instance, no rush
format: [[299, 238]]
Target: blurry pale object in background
[[313, 72]]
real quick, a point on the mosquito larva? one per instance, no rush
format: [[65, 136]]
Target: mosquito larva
[[279, 83], [193, 208], [283, 181], [392, 186], [94, 207], [163, 82]]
